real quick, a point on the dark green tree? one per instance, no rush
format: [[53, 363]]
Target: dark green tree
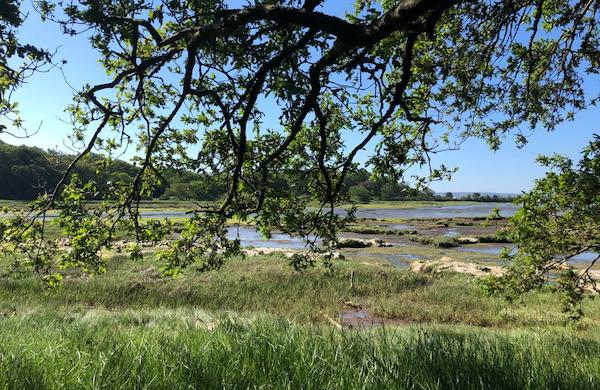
[[360, 193]]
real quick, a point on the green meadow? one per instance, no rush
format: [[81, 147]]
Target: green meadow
[[256, 323]]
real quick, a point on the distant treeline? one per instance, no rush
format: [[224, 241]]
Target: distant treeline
[[360, 186], [27, 172], [476, 196]]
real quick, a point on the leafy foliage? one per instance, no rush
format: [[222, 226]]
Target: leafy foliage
[[18, 61], [559, 220]]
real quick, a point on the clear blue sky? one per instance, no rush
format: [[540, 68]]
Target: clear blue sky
[[508, 170]]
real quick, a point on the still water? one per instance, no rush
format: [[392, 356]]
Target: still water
[[469, 211], [491, 249]]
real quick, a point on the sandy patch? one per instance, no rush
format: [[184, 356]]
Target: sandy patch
[[363, 243], [253, 252], [448, 264]]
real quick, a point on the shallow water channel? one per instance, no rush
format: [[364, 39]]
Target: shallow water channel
[[454, 211], [495, 249], [250, 237]]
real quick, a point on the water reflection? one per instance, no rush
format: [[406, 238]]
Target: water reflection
[[451, 233]]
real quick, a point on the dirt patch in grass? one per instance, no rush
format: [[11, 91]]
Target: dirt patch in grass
[[355, 316], [359, 318]]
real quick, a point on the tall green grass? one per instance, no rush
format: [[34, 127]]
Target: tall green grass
[[182, 349]]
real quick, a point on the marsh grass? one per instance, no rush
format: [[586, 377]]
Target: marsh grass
[[436, 241], [268, 285], [366, 229], [258, 324], [162, 349]]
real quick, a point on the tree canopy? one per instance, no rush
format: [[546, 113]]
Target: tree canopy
[[189, 84]]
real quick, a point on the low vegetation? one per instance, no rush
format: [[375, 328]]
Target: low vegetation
[[266, 284], [130, 328], [438, 241]]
